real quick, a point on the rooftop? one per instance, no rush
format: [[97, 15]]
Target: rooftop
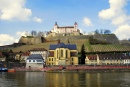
[[35, 56], [62, 45]]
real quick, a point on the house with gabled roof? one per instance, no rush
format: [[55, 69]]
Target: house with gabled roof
[[24, 56], [42, 51], [111, 59], [126, 60], [92, 60], [62, 54], [108, 59], [35, 61]]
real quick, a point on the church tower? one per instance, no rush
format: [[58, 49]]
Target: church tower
[[75, 26]]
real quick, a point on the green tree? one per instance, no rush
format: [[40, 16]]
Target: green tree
[[82, 55], [11, 51]]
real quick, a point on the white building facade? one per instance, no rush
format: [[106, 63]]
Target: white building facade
[[35, 61], [65, 29], [41, 51]]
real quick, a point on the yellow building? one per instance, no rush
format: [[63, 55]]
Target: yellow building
[[92, 60], [62, 54], [105, 59], [111, 59]]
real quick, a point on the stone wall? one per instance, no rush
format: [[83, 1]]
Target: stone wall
[[34, 65], [32, 40]]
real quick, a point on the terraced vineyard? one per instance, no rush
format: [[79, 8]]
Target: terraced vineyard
[[111, 47], [78, 40], [46, 45]]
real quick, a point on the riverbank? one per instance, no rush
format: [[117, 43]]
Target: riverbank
[[77, 69]]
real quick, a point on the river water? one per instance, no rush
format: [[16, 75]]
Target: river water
[[65, 79]]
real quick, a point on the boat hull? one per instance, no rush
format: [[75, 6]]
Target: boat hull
[[3, 69], [11, 70]]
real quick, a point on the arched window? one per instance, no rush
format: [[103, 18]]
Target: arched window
[[61, 53], [72, 59], [57, 53], [66, 53]]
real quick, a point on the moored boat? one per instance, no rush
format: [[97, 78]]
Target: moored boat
[[3, 69], [11, 70]]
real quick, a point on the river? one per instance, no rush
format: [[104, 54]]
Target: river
[[65, 79]]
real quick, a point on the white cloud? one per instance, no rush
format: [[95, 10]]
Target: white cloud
[[6, 39], [123, 31], [14, 10], [87, 21], [116, 9], [21, 33], [118, 17], [36, 19]]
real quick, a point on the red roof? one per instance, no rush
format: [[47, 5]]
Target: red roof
[[112, 56], [26, 54], [67, 27], [92, 57]]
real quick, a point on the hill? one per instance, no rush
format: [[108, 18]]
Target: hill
[[93, 43]]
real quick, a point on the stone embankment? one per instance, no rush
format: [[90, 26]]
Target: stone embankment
[[77, 68]]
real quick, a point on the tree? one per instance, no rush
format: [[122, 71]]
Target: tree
[[96, 31], [82, 55], [33, 33], [11, 51], [107, 31], [101, 31], [40, 33]]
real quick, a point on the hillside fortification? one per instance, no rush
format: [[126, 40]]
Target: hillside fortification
[[32, 40]]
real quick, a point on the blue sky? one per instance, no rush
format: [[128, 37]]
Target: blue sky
[[18, 16]]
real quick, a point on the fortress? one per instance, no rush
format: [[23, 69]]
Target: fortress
[[56, 31], [65, 29]]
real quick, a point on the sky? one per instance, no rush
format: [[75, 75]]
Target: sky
[[20, 16]]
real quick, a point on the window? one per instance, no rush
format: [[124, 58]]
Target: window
[[39, 60], [57, 53], [66, 53], [72, 59], [29, 60], [33, 60], [61, 53], [110, 60], [52, 59]]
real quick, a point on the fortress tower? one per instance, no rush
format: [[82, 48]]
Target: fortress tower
[[55, 27]]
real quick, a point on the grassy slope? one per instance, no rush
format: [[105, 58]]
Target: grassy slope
[[78, 42]]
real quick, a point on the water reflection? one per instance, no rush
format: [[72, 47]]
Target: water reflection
[[75, 79]]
